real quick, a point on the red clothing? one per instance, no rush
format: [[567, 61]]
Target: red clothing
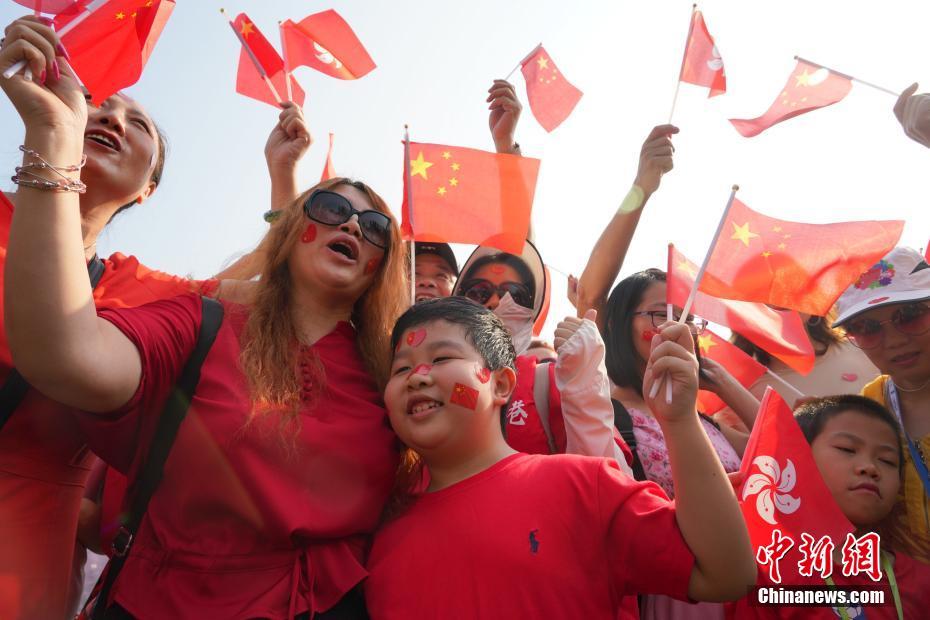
[[245, 525], [533, 536], [44, 461], [912, 577], [524, 429]]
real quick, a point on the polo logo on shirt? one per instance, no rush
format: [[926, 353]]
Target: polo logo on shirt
[[534, 542]]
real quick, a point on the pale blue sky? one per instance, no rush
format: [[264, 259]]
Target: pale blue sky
[[435, 62]]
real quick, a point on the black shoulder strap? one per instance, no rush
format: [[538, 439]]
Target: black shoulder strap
[[150, 475], [15, 387], [624, 424]]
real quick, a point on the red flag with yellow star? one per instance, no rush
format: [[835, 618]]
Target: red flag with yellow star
[[552, 97], [779, 332], [702, 64], [810, 87], [258, 56], [805, 267], [325, 42], [744, 368], [110, 47], [460, 195]]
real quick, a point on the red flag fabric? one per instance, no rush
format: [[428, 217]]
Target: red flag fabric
[[810, 87], [927, 252], [744, 368], [779, 332], [325, 42], [552, 97], [460, 195], [110, 47], [52, 7], [702, 64], [805, 267], [329, 171], [257, 49], [783, 488]]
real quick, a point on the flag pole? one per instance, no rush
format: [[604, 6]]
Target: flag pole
[[520, 64], [413, 243], [778, 380], [287, 64], [88, 11], [849, 77], [684, 54], [258, 65]]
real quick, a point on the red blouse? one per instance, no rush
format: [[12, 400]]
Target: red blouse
[[249, 521]]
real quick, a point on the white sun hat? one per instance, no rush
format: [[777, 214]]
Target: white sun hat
[[901, 276]]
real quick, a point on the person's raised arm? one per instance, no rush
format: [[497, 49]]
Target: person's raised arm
[[655, 159], [58, 343], [913, 112], [707, 512]]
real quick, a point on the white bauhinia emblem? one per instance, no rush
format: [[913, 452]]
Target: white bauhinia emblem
[[325, 56], [771, 486], [715, 63]]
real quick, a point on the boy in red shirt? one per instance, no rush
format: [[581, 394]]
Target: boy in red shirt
[[499, 534]]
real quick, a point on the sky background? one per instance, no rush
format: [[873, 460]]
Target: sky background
[[436, 61]]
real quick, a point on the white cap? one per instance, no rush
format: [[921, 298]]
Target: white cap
[[901, 276]]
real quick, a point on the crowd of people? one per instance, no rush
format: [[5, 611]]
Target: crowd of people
[[316, 444]]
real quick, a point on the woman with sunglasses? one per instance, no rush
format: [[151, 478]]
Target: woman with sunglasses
[[635, 310], [560, 407], [886, 313]]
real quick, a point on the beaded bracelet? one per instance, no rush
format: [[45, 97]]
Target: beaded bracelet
[[271, 215], [37, 181]]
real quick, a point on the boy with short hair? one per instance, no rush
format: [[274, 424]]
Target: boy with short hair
[[500, 534]]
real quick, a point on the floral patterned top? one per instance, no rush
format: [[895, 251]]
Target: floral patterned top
[[650, 446]]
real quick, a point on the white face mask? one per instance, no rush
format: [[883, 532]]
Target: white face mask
[[518, 321]]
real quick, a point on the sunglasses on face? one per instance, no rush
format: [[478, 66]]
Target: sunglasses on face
[[659, 317], [482, 290], [333, 209], [910, 320]]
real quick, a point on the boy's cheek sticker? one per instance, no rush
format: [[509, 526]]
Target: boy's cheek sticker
[[649, 334], [464, 396], [372, 266], [484, 374], [415, 337], [309, 234], [422, 369]]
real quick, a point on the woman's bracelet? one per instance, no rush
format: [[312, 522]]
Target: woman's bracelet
[[27, 176], [271, 215]]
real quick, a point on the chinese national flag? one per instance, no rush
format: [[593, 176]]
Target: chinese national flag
[[110, 47], [329, 170], [805, 267], [744, 368], [810, 87], [779, 332], [702, 64], [552, 97], [249, 80], [325, 42], [783, 488], [459, 195]]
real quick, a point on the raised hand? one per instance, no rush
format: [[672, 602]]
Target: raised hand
[[289, 140], [913, 112], [655, 158], [505, 112], [672, 359], [568, 326]]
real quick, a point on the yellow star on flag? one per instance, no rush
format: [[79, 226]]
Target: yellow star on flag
[[247, 29], [804, 79], [419, 166], [446, 154], [455, 167], [687, 268], [543, 62], [782, 246], [133, 15], [120, 15], [742, 233], [453, 181], [766, 254], [441, 191], [705, 342], [776, 228]]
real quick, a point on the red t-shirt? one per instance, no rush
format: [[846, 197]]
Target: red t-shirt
[[246, 523], [533, 536], [44, 461], [912, 577]]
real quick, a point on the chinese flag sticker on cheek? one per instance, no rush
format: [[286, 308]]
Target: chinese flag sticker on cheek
[[464, 396]]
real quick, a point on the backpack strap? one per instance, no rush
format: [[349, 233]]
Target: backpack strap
[[14, 389], [624, 424], [166, 431]]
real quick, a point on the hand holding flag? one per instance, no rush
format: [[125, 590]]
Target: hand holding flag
[[288, 141], [913, 112], [726, 357], [671, 359], [505, 112]]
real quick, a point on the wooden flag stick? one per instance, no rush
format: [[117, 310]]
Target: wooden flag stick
[[88, 11], [287, 65], [520, 64], [258, 65], [413, 243], [849, 77], [684, 54]]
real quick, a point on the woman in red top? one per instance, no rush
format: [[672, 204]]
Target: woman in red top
[[44, 459]]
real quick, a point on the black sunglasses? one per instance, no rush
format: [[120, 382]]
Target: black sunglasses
[[333, 209], [482, 290]]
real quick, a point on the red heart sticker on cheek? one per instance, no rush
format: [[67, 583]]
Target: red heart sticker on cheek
[[849, 376], [484, 375], [648, 335], [416, 337], [309, 234], [372, 266]]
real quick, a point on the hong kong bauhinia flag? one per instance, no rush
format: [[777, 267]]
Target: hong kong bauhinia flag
[[702, 64], [460, 195], [783, 489], [809, 88], [325, 42], [552, 97]]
